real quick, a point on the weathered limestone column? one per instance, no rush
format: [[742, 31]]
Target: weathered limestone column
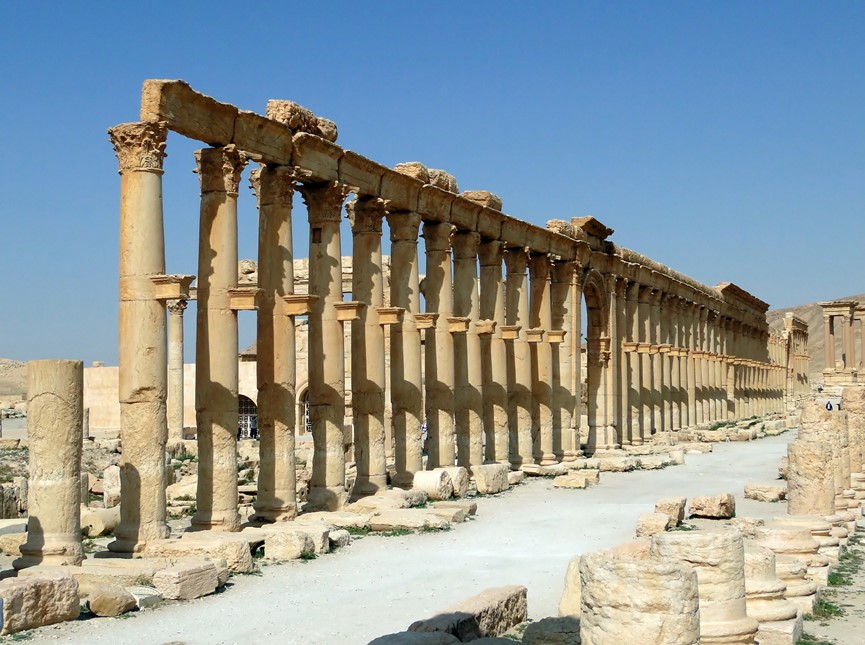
[[719, 559], [612, 358], [692, 314], [675, 369], [367, 346], [577, 353], [541, 352], [829, 336], [665, 348], [853, 401], [723, 370], [657, 382], [711, 355], [326, 347], [140, 149], [644, 349], [633, 432], [175, 370], [55, 407], [630, 600], [405, 348], [519, 362], [810, 485], [468, 399], [276, 358], [216, 340], [439, 356], [704, 385], [562, 304], [494, 352]]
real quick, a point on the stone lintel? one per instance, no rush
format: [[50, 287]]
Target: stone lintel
[[592, 227], [435, 203], [171, 287], [316, 159], [243, 298], [425, 320], [389, 315], [458, 324], [535, 335], [361, 174], [264, 140], [464, 214], [297, 304], [346, 311], [490, 223], [510, 332], [485, 326], [400, 191], [556, 336]]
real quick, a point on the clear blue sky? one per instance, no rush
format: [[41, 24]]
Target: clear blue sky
[[726, 140]]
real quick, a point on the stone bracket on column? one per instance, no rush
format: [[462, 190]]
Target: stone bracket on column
[[665, 349], [243, 299], [170, 287], [629, 347], [644, 348], [426, 320], [510, 332], [458, 324], [389, 315], [556, 336], [347, 311], [485, 326], [297, 304], [535, 335]]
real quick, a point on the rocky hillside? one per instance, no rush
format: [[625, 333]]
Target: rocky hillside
[[13, 378], [813, 315]]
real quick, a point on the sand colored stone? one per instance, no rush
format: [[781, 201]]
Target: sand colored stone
[[459, 478], [780, 620], [722, 506], [673, 507], [490, 613], [110, 600], [186, 581], [491, 478], [766, 492], [853, 400], [35, 602], [437, 484], [803, 593], [810, 487]]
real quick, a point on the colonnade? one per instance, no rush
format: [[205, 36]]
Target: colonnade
[[796, 358], [497, 331], [841, 318]]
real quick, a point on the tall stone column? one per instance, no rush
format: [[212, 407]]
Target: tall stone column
[[439, 356], [577, 351], [216, 374], [612, 358], [675, 365], [55, 409], [519, 362], [633, 427], [494, 352], [657, 361], [723, 370], [665, 349], [562, 305], [849, 344], [646, 377], [829, 336], [704, 386], [367, 347], [541, 352], [142, 374], [468, 400], [276, 351], [405, 348], [326, 355], [692, 313], [175, 370]]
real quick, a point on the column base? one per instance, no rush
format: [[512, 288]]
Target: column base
[[68, 554], [322, 498], [367, 487], [272, 514], [226, 521], [126, 541], [548, 459]]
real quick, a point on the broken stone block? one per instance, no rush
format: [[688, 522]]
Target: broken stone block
[[515, 477], [336, 519], [649, 524], [233, 548], [288, 545], [185, 582], [111, 486], [571, 600], [490, 613], [617, 464], [721, 506], [10, 543], [110, 600], [452, 515], [408, 518], [567, 481], [766, 492], [470, 508], [145, 597], [673, 507], [34, 602], [339, 539], [96, 522], [460, 480], [437, 484], [562, 630], [491, 478]]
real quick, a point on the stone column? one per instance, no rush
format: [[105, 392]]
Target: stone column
[[519, 363], [367, 347], [405, 348], [723, 371], [216, 340], [468, 400], [142, 374], [577, 352], [175, 370], [646, 377], [494, 352], [849, 344], [656, 358], [541, 353], [562, 305], [665, 350], [704, 385], [439, 356], [829, 336], [55, 407], [326, 354], [634, 431], [276, 352]]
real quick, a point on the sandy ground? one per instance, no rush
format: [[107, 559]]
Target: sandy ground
[[380, 585]]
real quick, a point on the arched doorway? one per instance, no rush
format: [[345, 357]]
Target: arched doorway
[[247, 418]]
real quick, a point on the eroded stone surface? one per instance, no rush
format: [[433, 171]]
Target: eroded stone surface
[[490, 613]]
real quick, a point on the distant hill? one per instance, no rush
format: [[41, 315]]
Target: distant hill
[[13, 378], [813, 315]]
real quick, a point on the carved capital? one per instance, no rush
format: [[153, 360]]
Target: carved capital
[[276, 185], [539, 266], [323, 201], [490, 253], [437, 235], [516, 260], [219, 169], [177, 307], [465, 245], [403, 225], [139, 146], [564, 271], [365, 214]]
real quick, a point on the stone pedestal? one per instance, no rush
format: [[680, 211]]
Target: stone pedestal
[[629, 600], [810, 487], [800, 591], [795, 542], [55, 395], [764, 591], [718, 557]]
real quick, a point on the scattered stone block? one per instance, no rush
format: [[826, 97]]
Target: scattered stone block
[[471, 508], [766, 492], [96, 522], [336, 519], [649, 524], [437, 484], [416, 638], [407, 518], [460, 480], [451, 514], [567, 481], [782, 467], [491, 478], [339, 538], [654, 462], [490, 613], [318, 533], [288, 545], [673, 507], [571, 600], [186, 581], [617, 464], [233, 548], [10, 543], [721, 506], [185, 488], [35, 602], [111, 486], [110, 600], [145, 597], [677, 457], [515, 477], [561, 630], [747, 526]]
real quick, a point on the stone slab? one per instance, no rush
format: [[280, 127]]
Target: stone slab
[[186, 581], [38, 601], [490, 613], [408, 518]]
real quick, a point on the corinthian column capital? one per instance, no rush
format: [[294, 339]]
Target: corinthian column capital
[[139, 146], [219, 169]]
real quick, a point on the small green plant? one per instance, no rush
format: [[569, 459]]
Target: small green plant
[[308, 555], [435, 529], [684, 527], [807, 639], [397, 532], [839, 579], [357, 531], [21, 636], [184, 498], [824, 609]]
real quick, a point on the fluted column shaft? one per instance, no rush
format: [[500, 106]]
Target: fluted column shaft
[[405, 347], [519, 362], [665, 328], [216, 341], [542, 360], [494, 352], [326, 354], [439, 357]]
